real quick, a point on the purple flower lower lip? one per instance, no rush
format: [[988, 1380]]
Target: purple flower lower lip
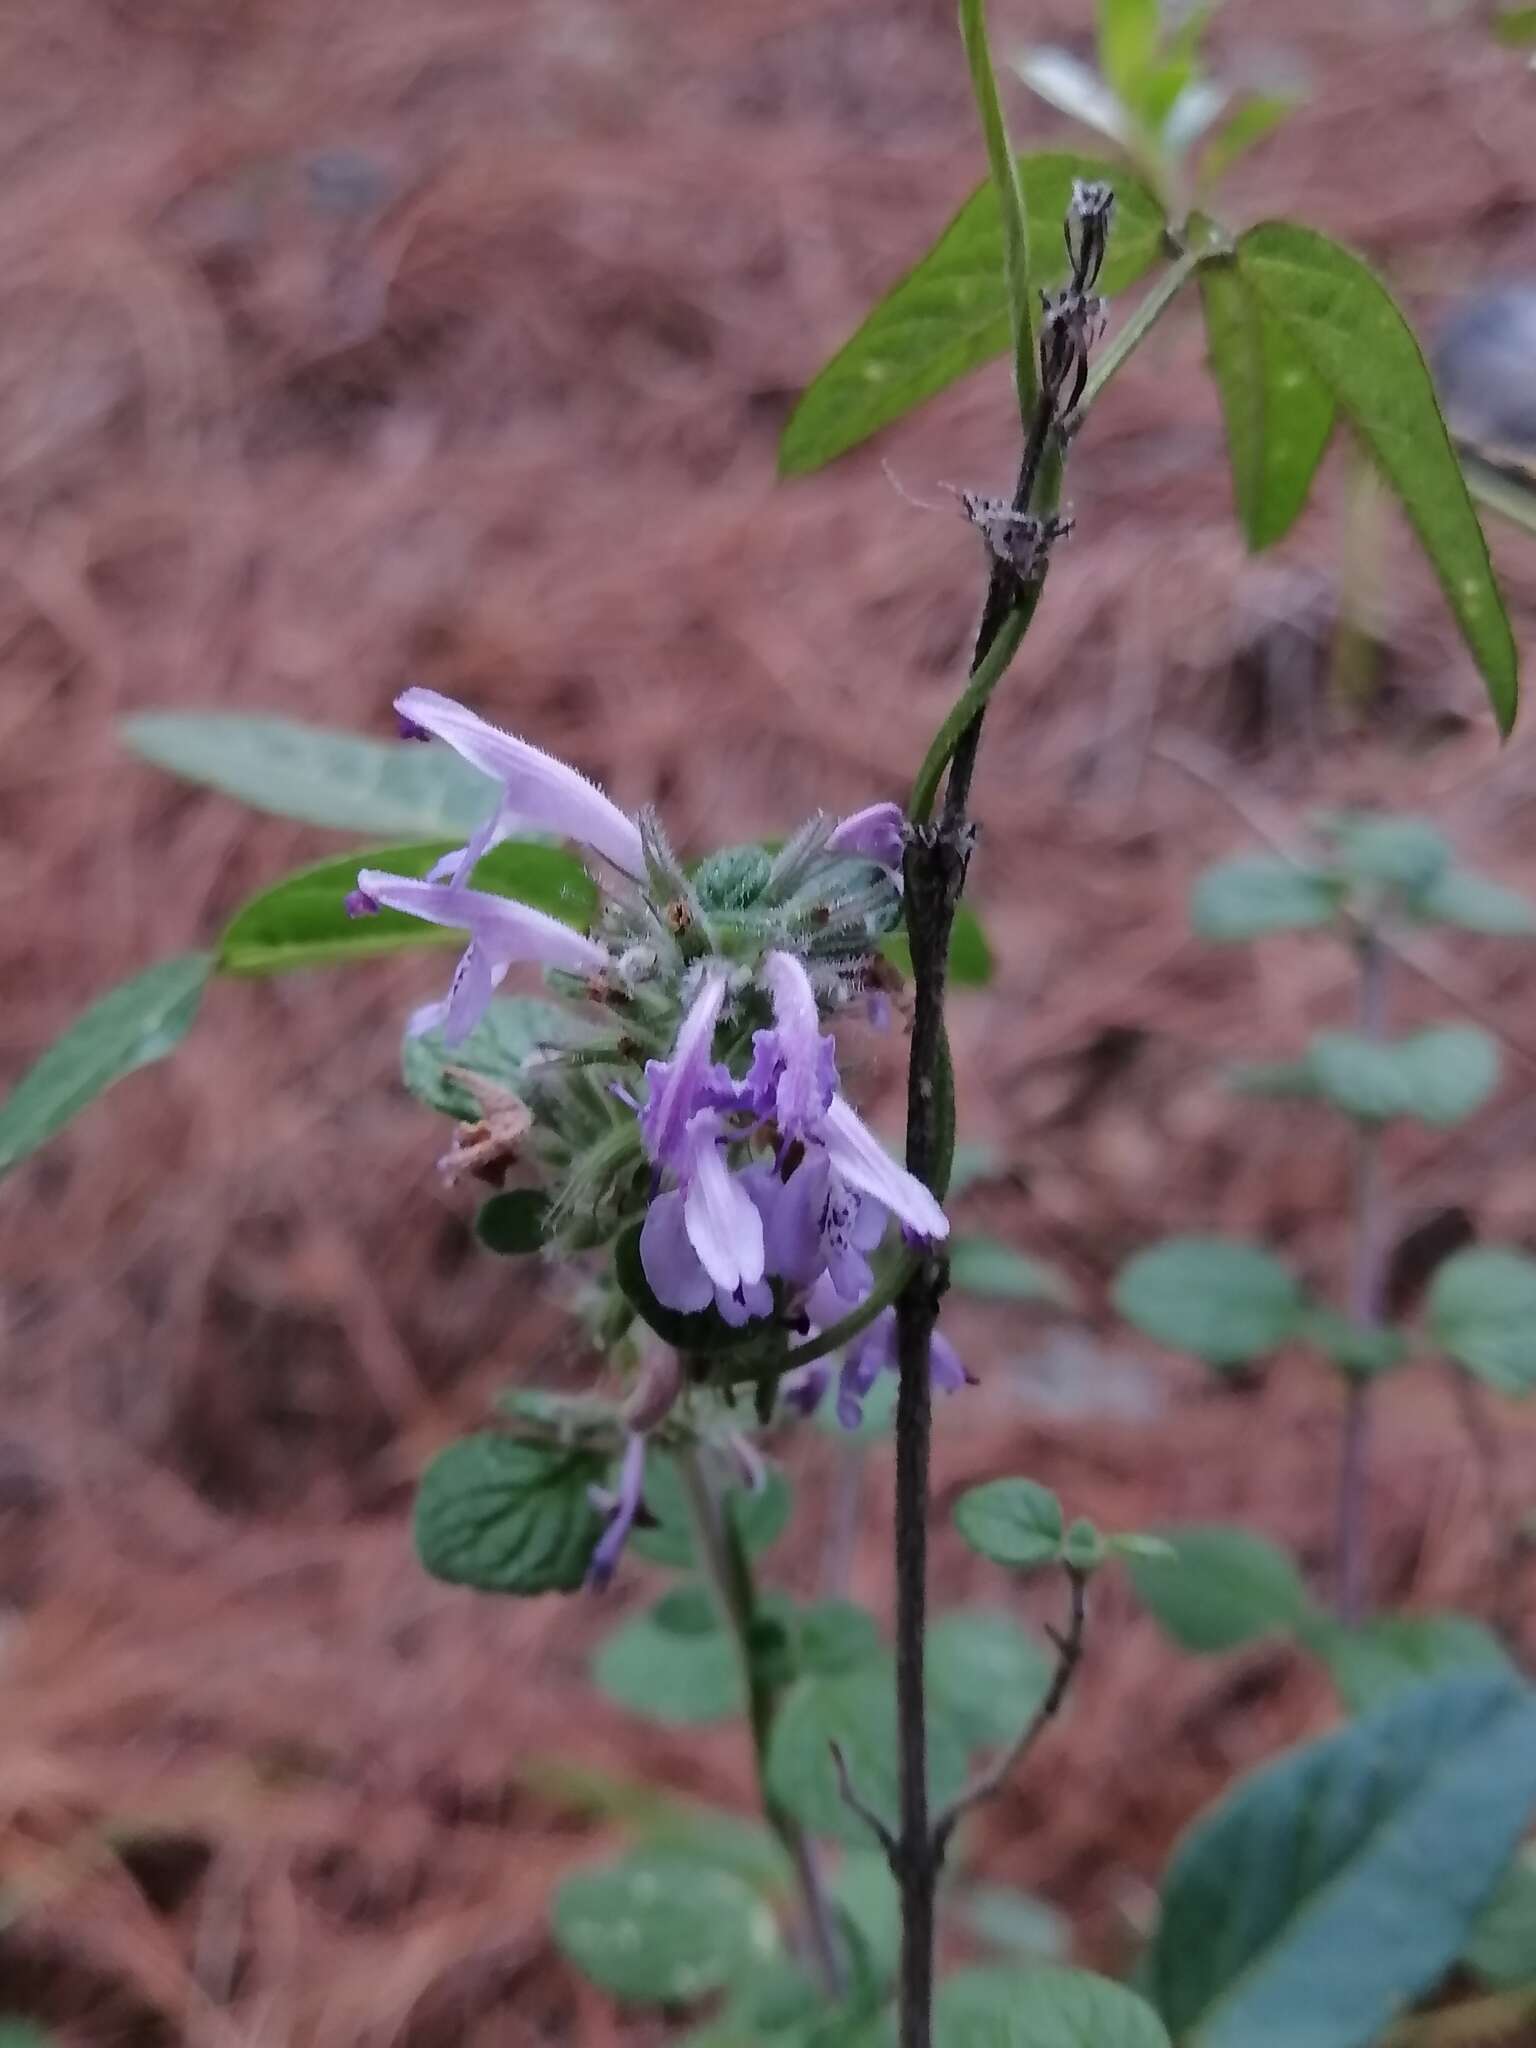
[[622, 1512], [501, 933]]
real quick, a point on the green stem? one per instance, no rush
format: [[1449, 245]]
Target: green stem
[[836, 1335], [1141, 323], [723, 1558], [1004, 166], [984, 679]]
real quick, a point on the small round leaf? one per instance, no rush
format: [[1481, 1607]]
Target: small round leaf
[[1226, 1303], [507, 1516], [678, 1680], [1254, 894], [513, 1223], [1477, 905], [662, 1929], [1482, 1310], [1015, 1522], [1220, 1588]]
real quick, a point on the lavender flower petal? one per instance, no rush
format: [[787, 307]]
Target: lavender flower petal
[[605, 1557], [671, 1264], [874, 834], [796, 1061], [724, 1226], [538, 789], [865, 1164], [686, 1083]]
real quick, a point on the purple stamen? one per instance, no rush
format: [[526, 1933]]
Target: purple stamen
[[358, 903]]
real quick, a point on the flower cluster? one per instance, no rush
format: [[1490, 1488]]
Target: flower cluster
[[704, 1104]]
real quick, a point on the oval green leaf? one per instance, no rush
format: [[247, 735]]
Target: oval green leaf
[[1226, 1303], [1016, 1522], [986, 1675], [1482, 1310], [508, 1517], [949, 314], [1438, 1076], [302, 920], [1217, 1587], [1047, 2006], [857, 1711], [515, 1223], [1343, 321], [662, 1929], [1477, 905], [1331, 1889], [981, 1265], [1383, 1656], [1278, 416], [133, 1026], [395, 788], [679, 1679], [1254, 894]]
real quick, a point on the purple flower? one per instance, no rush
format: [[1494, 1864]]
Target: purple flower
[[794, 1074], [702, 1241], [874, 1352], [501, 932], [621, 1509], [816, 1225], [690, 1080], [800, 1391], [536, 789], [875, 833]]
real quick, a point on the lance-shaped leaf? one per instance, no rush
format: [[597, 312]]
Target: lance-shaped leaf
[[394, 788], [134, 1025], [949, 315], [302, 921], [1004, 167], [1278, 414], [1331, 1889], [1343, 320]]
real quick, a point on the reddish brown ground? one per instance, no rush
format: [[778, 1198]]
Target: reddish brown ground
[[351, 342]]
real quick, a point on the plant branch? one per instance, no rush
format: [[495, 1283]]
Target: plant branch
[[850, 1797], [728, 1569], [1069, 1653], [1367, 1273], [1141, 323]]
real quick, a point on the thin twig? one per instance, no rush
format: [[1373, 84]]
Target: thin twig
[[866, 1813], [1069, 1654]]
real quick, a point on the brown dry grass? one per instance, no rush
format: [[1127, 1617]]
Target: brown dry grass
[[353, 342]]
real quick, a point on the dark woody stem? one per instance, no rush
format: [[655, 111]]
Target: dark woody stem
[[934, 872]]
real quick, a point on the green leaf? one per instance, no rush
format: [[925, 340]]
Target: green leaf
[[506, 1037], [971, 964], [1438, 1076], [857, 1711], [138, 1023], [980, 1265], [1482, 1310], [1279, 417], [1221, 1587], [836, 1635], [302, 920], [1345, 323], [1254, 894], [1004, 168], [1502, 1950], [1048, 2006], [1370, 1663], [396, 789], [986, 1675], [1015, 1923], [1477, 905], [1083, 1549], [1128, 38], [1013, 1521], [672, 1677], [864, 1891], [514, 1223], [1249, 125], [1353, 1347], [1226, 1303], [661, 1929], [507, 1516], [1331, 1889], [1403, 853], [1515, 26], [1074, 89], [760, 1517], [949, 315]]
